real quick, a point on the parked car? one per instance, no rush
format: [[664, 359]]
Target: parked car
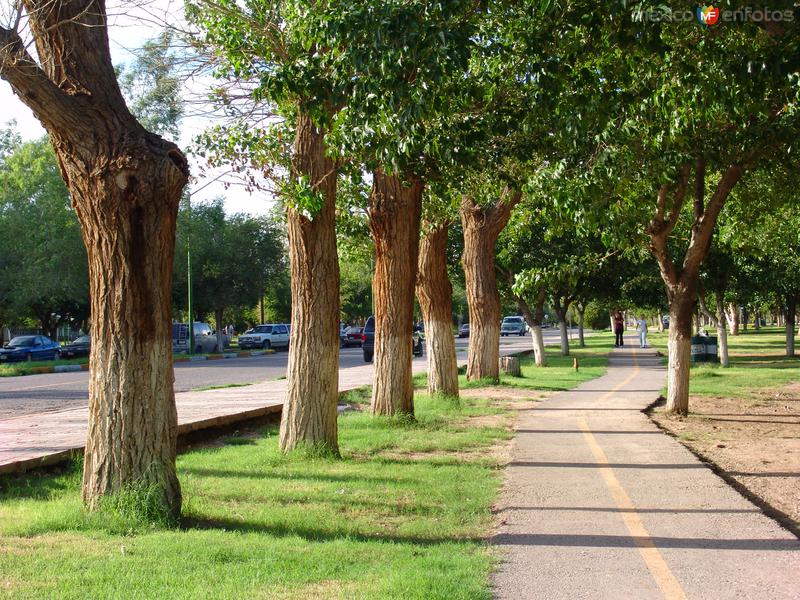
[[205, 340], [463, 331], [77, 348], [352, 337], [513, 326], [368, 341], [30, 347], [266, 336]]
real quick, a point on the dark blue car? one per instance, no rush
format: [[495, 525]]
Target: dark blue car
[[30, 347]]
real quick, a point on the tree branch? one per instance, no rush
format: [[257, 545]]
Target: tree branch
[[48, 102]]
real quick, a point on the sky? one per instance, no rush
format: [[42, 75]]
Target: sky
[[130, 25]]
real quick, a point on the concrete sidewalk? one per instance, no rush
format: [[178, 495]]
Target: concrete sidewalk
[[31, 441], [599, 503]]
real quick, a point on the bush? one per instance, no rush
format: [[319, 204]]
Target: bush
[[596, 316]]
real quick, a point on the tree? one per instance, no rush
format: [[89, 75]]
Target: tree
[[273, 66], [234, 258], [647, 99], [125, 184], [46, 260]]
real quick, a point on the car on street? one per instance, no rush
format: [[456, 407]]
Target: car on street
[[77, 348], [266, 336], [368, 341], [30, 347], [463, 331], [352, 337], [513, 326], [205, 340]]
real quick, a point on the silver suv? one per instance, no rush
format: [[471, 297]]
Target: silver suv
[[269, 335], [205, 340], [513, 326]]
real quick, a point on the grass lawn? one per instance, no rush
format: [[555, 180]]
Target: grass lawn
[[403, 514], [26, 368], [758, 362], [559, 374]]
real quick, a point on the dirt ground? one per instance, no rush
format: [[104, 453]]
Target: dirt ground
[[755, 442]]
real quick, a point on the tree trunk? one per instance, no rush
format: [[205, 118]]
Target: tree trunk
[[682, 284], [394, 220], [722, 333], [309, 411], [435, 295], [561, 312], [482, 226], [125, 184], [733, 318], [220, 337], [680, 344], [130, 245], [581, 340], [791, 320], [534, 320]]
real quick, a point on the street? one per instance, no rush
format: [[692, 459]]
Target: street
[[39, 393]]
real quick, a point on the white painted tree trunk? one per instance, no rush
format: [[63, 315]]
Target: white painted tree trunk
[[722, 339], [538, 346], [562, 326], [678, 372]]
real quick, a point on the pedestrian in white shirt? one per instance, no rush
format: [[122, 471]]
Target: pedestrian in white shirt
[[641, 327]]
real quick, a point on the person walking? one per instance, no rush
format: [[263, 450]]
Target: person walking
[[619, 329], [641, 327]]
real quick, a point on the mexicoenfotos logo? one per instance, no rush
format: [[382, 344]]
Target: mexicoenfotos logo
[[707, 15], [711, 15]]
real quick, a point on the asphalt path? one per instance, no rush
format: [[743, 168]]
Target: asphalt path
[[31, 394]]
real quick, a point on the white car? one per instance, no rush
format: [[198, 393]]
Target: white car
[[269, 335], [513, 326]]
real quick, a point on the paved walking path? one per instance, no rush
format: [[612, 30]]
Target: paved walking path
[[599, 503]]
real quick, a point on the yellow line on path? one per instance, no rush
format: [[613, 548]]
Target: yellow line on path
[[652, 557]]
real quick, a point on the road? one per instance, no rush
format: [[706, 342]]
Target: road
[[56, 391]]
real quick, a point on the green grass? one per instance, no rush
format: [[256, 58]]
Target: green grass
[[558, 374], [26, 368], [207, 388], [758, 363], [401, 515]]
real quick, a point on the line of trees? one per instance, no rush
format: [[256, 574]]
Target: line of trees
[[601, 134]]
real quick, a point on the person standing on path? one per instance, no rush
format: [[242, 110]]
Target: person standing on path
[[641, 327], [619, 329]]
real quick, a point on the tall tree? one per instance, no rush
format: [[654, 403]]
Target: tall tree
[[47, 271], [234, 258], [125, 184], [271, 58]]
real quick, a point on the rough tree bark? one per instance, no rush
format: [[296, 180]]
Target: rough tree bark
[[534, 319], [394, 220], [681, 282], [125, 184], [309, 412], [791, 322], [482, 226], [435, 295]]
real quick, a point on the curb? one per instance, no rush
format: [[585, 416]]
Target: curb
[[181, 359]]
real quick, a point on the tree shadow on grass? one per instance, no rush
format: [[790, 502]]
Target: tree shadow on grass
[[320, 534], [41, 485], [306, 476]]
